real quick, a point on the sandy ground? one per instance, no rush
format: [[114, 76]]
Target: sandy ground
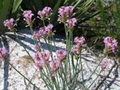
[[11, 80]]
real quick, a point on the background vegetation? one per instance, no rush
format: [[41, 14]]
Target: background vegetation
[[96, 18]]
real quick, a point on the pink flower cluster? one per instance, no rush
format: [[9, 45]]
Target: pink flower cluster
[[41, 58], [76, 49], [3, 53], [49, 28], [110, 44], [43, 32], [65, 12], [9, 23], [54, 65], [65, 16], [104, 64], [61, 54], [71, 23], [28, 17], [45, 13], [37, 47]]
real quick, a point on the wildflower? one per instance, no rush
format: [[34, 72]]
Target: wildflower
[[9, 23], [43, 33], [110, 44], [65, 12], [104, 64], [3, 53], [45, 13], [36, 56], [55, 64], [37, 47], [61, 54], [44, 55], [75, 49], [36, 35], [49, 29], [71, 23], [28, 17], [40, 63], [79, 40]]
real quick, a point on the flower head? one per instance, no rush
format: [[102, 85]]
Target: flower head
[[45, 13], [104, 64], [55, 64], [37, 47], [3, 53], [49, 29], [65, 12], [28, 17], [36, 35], [110, 44], [45, 55], [40, 63], [79, 40], [43, 33], [61, 54], [36, 56], [9, 23], [70, 23], [75, 49]]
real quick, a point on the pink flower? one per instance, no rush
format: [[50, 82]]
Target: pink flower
[[61, 54], [28, 17], [71, 23], [41, 15], [65, 12], [110, 43], [49, 29], [45, 13], [104, 64], [9, 23], [75, 49], [36, 35], [36, 56], [37, 47], [43, 33], [79, 40], [45, 55], [40, 63], [3, 53], [48, 11], [55, 64]]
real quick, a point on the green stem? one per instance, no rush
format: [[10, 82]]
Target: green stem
[[23, 46], [22, 75], [81, 68], [31, 29], [95, 79], [41, 73], [94, 70]]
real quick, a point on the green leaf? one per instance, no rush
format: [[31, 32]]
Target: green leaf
[[16, 4], [1, 5]]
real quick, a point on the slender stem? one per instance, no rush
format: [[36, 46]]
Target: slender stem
[[23, 46], [94, 79], [41, 73], [81, 68], [31, 29], [22, 75], [54, 43], [93, 71]]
